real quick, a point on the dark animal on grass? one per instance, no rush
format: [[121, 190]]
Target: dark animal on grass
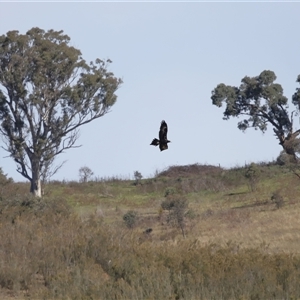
[[163, 140], [148, 230]]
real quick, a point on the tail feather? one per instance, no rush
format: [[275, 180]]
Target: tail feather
[[155, 142]]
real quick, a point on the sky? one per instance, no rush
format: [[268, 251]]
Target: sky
[[170, 55]]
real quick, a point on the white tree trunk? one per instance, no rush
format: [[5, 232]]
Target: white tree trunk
[[36, 188], [35, 185]]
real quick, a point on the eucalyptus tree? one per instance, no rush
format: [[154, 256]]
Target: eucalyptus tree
[[260, 102], [47, 91]]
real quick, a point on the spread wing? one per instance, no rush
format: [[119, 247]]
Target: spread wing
[[163, 131]]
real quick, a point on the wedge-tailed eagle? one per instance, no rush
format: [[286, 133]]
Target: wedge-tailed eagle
[[163, 140]]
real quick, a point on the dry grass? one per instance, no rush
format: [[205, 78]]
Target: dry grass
[[74, 244]]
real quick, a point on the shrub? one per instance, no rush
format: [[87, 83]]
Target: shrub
[[130, 218], [137, 177], [3, 178], [168, 204], [252, 174], [277, 199], [170, 191], [177, 214]]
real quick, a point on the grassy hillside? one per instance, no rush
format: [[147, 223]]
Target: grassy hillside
[[192, 232]]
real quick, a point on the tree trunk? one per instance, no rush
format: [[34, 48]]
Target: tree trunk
[[35, 187], [182, 230], [289, 143], [35, 183]]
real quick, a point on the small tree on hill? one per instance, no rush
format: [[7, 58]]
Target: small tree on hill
[[252, 175], [85, 173], [261, 102], [177, 207], [47, 91], [138, 177], [177, 214]]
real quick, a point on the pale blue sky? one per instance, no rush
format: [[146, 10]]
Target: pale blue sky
[[170, 56]]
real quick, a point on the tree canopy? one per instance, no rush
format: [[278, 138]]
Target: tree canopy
[[260, 101], [47, 91]]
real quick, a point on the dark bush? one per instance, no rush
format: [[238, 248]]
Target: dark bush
[[168, 203], [252, 173], [277, 199], [130, 218]]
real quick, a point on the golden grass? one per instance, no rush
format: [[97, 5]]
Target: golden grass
[[74, 243]]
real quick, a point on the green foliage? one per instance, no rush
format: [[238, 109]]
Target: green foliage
[[258, 97], [49, 91], [261, 102], [130, 218], [296, 96]]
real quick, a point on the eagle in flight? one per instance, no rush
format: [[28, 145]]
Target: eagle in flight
[[163, 140]]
